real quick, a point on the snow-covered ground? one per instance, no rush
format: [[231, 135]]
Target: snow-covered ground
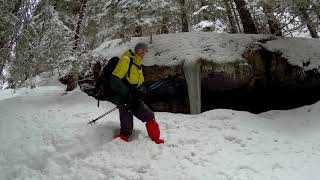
[[44, 135]]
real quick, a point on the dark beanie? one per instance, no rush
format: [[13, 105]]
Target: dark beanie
[[141, 45]]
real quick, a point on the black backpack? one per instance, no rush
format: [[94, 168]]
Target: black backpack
[[103, 90]]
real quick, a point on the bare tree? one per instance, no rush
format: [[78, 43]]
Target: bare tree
[[248, 24]]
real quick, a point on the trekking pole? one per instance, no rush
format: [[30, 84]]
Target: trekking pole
[[160, 82], [152, 87], [157, 84], [110, 111]]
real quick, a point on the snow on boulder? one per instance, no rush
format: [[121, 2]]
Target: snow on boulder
[[301, 52], [174, 49]]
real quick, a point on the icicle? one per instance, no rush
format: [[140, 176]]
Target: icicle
[[192, 74]]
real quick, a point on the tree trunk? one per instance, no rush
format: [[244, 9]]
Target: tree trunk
[[235, 16], [248, 24], [316, 9], [164, 27], [3, 53], [272, 20], [233, 26], [17, 27], [1, 70], [306, 19], [184, 17], [17, 7], [79, 23], [138, 31]]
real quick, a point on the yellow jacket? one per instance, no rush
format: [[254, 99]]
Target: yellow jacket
[[136, 76]]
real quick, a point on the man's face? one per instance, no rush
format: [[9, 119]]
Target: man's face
[[141, 52]]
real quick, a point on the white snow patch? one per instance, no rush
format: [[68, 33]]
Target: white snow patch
[[297, 50], [174, 49], [44, 135], [200, 10], [44, 79]]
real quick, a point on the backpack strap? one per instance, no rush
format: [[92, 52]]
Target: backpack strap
[[139, 67], [130, 64]]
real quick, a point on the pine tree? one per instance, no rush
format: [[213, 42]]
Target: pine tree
[[8, 18], [125, 19], [14, 14], [43, 44]]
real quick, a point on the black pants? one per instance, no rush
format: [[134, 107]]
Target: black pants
[[140, 110]]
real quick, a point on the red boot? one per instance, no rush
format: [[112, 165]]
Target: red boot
[[154, 131], [123, 137]]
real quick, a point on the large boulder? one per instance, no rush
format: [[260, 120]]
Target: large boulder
[[243, 72]]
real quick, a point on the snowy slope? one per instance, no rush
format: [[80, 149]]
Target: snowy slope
[[174, 49], [44, 135]]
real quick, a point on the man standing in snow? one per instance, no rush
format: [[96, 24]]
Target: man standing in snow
[[126, 82]]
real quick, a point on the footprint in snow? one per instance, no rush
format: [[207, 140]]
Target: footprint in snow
[[234, 140]]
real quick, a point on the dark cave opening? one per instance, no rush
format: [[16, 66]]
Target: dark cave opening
[[282, 96], [274, 84]]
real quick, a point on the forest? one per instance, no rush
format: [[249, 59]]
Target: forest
[[39, 36]]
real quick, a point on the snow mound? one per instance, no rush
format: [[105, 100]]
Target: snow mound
[[44, 79], [297, 51]]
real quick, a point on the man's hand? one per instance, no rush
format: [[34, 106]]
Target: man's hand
[[143, 90], [136, 94]]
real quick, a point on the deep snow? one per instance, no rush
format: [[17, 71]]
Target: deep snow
[[44, 135]]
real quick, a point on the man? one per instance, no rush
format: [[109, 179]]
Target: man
[[126, 83]]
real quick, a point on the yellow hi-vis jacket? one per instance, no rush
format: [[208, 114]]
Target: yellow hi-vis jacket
[[135, 77]]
